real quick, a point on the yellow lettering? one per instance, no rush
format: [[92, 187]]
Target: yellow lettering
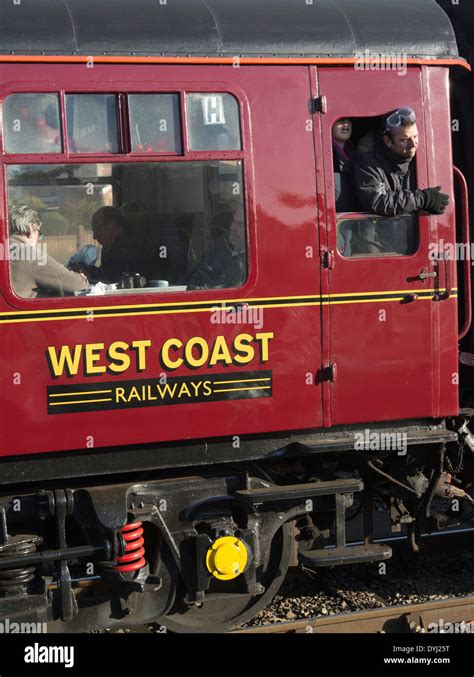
[[120, 394], [241, 346], [65, 362], [140, 347], [204, 349], [150, 396], [133, 394], [165, 357], [167, 389], [264, 341], [120, 360], [196, 387], [92, 351], [207, 388], [184, 390], [220, 352]]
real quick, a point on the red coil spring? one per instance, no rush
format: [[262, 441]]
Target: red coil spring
[[133, 558]]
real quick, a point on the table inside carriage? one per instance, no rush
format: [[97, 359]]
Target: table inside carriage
[[101, 289]]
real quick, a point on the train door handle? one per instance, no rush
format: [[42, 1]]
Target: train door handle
[[425, 274], [445, 260]]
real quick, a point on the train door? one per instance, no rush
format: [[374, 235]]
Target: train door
[[380, 282]]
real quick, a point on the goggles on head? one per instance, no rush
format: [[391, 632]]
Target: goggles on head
[[399, 118]]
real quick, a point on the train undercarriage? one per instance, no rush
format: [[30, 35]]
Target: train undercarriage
[[206, 548]]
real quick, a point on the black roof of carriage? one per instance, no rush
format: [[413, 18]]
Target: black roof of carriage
[[214, 28]]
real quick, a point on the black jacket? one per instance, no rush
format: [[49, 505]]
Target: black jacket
[[384, 185]]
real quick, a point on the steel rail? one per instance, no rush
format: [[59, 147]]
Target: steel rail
[[401, 618]]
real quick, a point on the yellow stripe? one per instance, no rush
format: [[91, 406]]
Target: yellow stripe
[[85, 309], [234, 390], [217, 305], [61, 404], [84, 392], [98, 317], [82, 313], [387, 291], [397, 298]]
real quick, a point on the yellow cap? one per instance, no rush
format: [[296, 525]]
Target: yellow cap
[[227, 558]]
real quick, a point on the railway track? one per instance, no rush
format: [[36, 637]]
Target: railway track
[[409, 618]]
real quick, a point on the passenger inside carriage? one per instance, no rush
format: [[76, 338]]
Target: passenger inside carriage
[[223, 263], [384, 171], [109, 229], [343, 148], [34, 273], [181, 225], [346, 201], [386, 187], [121, 250]]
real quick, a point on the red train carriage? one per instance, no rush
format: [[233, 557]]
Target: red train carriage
[[234, 378]]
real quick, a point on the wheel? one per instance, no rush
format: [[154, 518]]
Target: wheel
[[221, 612]]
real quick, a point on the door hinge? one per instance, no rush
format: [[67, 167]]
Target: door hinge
[[326, 373], [327, 258], [320, 105]]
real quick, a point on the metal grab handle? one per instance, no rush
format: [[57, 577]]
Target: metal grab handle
[[467, 259], [425, 276], [447, 268], [447, 276]]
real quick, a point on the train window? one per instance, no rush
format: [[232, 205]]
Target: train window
[[163, 226], [213, 122], [155, 123], [377, 236], [92, 123], [31, 123]]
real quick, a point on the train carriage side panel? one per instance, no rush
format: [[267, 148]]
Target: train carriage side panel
[[246, 376]]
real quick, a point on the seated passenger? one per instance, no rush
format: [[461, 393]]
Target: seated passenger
[[136, 219], [120, 252], [108, 228], [222, 265], [343, 148], [33, 272], [385, 174], [177, 240], [366, 240]]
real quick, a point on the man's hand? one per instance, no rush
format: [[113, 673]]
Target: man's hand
[[435, 202]]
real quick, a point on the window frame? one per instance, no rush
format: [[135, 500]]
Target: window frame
[[127, 126], [124, 132], [185, 114], [121, 139], [359, 214], [6, 153], [140, 86]]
